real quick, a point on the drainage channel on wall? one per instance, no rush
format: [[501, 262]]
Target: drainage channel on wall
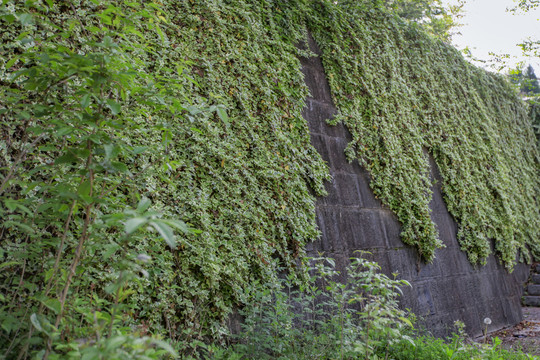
[[350, 218]]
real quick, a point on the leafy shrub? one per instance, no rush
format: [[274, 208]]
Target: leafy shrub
[[73, 248], [324, 318]]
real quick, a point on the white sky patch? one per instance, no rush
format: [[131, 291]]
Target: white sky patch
[[488, 27]]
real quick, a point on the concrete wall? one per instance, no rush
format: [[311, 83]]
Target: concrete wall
[[351, 218]]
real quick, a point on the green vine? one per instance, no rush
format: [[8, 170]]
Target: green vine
[[107, 107], [107, 103], [400, 91]]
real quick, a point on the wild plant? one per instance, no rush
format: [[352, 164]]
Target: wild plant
[[323, 317]]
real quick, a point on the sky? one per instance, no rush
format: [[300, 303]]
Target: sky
[[488, 27]]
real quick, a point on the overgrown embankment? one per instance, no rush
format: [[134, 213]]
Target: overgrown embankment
[[399, 91], [195, 107]]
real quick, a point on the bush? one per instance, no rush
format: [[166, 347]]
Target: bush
[[324, 318]]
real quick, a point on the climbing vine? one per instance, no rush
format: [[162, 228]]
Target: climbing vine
[[110, 106], [155, 163], [405, 96]]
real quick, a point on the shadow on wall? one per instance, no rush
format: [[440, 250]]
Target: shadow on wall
[[350, 218]]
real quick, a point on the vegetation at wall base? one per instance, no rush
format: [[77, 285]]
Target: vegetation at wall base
[[428, 347], [313, 321], [326, 317], [156, 169]]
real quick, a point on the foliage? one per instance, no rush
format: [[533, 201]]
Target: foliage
[[428, 347], [525, 80], [119, 118], [529, 88], [402, 95], [70, 245], [100, 108], [434, 16], [324, 318]]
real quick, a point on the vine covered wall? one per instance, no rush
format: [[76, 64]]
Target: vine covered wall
[[352, 219], [399, 92], [122, 122]]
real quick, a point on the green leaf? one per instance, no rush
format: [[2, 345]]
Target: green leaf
[[93, 29], [85, 101], [85, 188], [331, 262], [66, 130], [53, 304], [178, 224], [44, 207], [114, 106], [119, 167], [133, 224], [26, 19], [22, 226], [107, 40], [139, 149], [8, 264], [25, 209], [8, 18], [222, 113], [111, 288], [24, 115], [68, 158], [143, 205], [165, 346], [110, 250], [165, 231], [10, 204], [34, 320], [406, 321], [115, 342], [111, 151], [193, 110], [11, 62], [95, 139]]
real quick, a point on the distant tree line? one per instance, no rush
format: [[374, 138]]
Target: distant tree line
[[526, 81], [529, 88]]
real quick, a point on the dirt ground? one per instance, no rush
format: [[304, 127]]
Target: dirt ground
[[524, 336]]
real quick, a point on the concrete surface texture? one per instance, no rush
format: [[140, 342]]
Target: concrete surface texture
[[350, 218]]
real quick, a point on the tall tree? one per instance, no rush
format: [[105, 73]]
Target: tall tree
[[525, 80], [530, 85]]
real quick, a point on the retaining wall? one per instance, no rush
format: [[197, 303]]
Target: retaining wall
[[351, 218]]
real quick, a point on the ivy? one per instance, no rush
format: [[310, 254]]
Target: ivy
[[403, 93], [127, 126], [118, 118]]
